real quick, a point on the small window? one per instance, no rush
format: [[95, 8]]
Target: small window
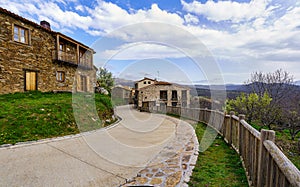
[[60, 76], [21, 34], [145, 82], [163, 95], [174, 95], [149, 82]]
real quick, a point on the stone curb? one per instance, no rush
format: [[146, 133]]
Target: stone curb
[[177, 169], [48, 140]]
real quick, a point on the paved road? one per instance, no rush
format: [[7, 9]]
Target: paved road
[[102, 158]]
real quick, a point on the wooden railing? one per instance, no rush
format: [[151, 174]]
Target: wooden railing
[[263, 161], [65, 57], [71, 59]]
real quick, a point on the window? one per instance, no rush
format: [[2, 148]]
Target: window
[[164, 95], [21, 34], [149, 82], [60, 76], [174, 95], [145, 82]]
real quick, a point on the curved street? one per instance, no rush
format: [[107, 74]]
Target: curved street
[[106, 157]]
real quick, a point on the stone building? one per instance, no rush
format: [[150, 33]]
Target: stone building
[[122, 94], [33, 57], [144, 82], [159, 93]]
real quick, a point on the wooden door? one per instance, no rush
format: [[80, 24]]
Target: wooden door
[[31, 80]]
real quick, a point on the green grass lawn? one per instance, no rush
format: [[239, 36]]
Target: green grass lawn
[[218, 166], [35, 115]]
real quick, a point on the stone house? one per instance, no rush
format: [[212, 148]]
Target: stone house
[[122, 93], [143, 83], [160, 94], [33, 57]]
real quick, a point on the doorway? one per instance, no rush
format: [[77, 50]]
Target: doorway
[[30, 80]]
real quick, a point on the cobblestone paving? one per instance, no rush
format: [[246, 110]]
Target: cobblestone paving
[[174, 164]]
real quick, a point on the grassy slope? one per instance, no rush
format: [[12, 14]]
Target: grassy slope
[[290, 149], [36, 115], [219, 165], [288, 146]]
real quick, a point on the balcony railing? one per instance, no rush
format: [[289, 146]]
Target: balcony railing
[[64, 57], [71, 59], [174, 98]]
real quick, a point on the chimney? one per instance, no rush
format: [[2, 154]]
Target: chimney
[[45, 24]]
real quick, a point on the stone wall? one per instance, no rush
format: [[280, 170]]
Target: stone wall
[[16, 57], [152, 93]]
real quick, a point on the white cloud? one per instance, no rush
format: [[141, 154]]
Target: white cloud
[[51, 12], [140, 51], [227, 10], [80, 8], [189, 18], [108, 16]]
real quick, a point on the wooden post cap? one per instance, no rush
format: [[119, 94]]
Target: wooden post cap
[[242, 116]]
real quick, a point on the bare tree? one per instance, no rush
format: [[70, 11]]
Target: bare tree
[[293, 123], [292, 116], [279, 86]]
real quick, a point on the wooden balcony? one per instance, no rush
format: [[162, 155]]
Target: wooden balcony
[[71, 60], [64, 57]]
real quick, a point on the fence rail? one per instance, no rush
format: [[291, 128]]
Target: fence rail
[[264, 163]]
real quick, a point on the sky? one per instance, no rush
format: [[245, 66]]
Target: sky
[[183, 41]]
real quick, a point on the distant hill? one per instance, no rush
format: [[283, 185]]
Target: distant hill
[[232, 90], [220, 87], [297, 83], [124, 82]]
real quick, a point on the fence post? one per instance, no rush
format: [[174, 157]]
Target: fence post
[[262, 162], [230, 128], [205, 116], [240, 135]]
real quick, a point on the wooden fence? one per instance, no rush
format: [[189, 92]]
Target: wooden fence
[[263, 161]]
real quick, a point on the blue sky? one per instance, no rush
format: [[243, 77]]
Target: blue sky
[[182, 41]]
